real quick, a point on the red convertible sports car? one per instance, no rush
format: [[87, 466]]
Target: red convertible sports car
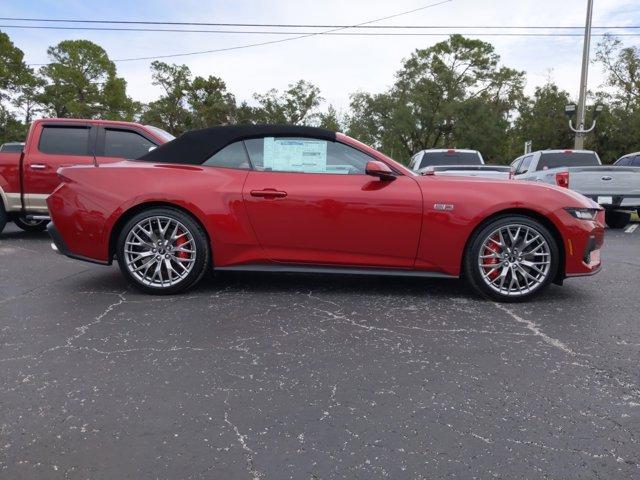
[[300, 199]]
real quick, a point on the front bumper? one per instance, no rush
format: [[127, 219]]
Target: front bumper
[[58, 245], [583, 243]]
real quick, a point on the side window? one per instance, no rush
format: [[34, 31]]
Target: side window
[[515, 163], [635, 162], [231, 156], [414, 161], [623, 162], [305, 155], [524, 164], [64, 140], [125, 144]]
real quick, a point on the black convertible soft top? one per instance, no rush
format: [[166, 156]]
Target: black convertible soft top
[[196, 146]]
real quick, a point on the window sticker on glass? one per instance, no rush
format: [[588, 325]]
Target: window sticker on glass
[[295, 155]]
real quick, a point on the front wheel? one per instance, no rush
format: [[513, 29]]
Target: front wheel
[[163, 251], [511, 259], [616, 220], [29, 225]]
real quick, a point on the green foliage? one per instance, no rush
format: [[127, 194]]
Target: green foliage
[[295, 106], [453, 94], [81, 82], [542, 120]]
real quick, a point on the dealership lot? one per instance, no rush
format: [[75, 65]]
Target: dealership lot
[[259, 376]]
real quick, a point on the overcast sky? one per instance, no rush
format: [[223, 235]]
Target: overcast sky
[[339, 65]]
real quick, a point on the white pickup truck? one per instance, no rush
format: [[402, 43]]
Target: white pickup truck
[[616, 189], [467, 163]]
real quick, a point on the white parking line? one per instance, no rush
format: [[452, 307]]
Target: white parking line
[[631, 228]]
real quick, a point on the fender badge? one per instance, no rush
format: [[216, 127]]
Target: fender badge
[[447, 207], [607, 177]]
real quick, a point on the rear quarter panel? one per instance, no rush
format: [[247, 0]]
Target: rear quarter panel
[[87, 206]]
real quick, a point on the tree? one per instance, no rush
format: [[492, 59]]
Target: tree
[[618, 128], [210, 103], [14, 75], [623, 68], [543, 121], [295, 106], [170, 110], [447, 95], [330, 119], [81, 82], [13, 69]]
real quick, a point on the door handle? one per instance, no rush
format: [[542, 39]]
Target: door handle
[[268, 193], [37, 166]]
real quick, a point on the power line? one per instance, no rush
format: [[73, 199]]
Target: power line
[[305, 25], [288, 39], [271, 32]]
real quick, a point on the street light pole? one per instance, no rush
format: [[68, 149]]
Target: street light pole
[[579, 141]]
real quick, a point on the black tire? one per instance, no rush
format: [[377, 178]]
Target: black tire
[[200, 263], [30, 225], [3, 217], [472, 268], [617, 220]]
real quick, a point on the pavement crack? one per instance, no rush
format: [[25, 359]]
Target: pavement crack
[[533, 327], [248, 452]]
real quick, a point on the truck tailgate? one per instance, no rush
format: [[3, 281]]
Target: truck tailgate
[[605, 180]]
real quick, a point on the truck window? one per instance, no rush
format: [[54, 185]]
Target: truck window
[[64, 140], [567, 159], [524, 164], [125, 144], [451, 157]]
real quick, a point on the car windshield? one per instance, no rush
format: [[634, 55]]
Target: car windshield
[[450, 158], [166, 136], [568, 159]]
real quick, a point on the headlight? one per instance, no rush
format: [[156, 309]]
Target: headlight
[[583, 213]]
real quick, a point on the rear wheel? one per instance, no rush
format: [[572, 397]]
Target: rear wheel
[[163, 251], [30, 225], [511, 259], [3, 217], [617, 219]]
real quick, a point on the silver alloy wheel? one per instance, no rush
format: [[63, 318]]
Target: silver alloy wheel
[[159, 251], [514, 260]]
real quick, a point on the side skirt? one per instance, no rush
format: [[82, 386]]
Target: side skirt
[[294, 268]]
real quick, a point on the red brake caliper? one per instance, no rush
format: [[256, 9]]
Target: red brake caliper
[[179, 242], [489, 249]]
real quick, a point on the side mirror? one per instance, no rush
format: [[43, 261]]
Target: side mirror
[[380, 170]]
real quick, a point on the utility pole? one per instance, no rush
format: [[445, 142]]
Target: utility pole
[[580, 133]]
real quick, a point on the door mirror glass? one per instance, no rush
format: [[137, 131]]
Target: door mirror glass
[[380, 170]]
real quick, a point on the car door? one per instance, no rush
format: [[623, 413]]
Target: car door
[[117, 143], [310, 201], [59, 145]]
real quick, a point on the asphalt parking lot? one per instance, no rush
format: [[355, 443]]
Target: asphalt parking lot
[[259, 376]]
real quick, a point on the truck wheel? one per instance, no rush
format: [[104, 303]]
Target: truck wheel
[[617, 219], [511, 258], [30, 225], [3, 217], [163, 251]]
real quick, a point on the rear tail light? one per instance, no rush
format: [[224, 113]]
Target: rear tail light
[[562, 179]]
